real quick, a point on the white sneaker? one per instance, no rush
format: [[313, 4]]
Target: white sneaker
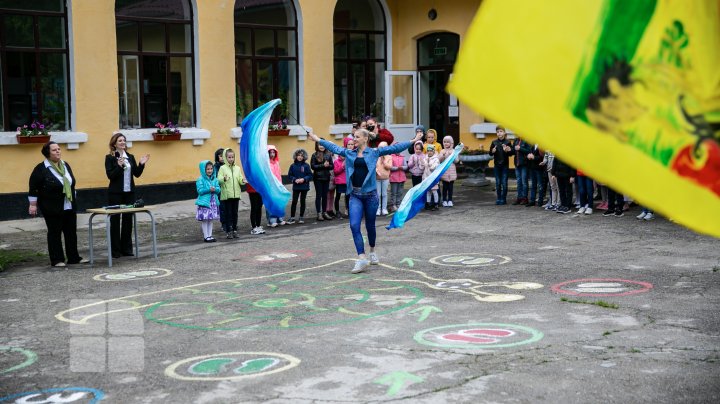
[[450, 204], [581, 211], [445, 205], [588, 211], [385, 212], [649, 216], [360, 265], [373, 258], [378, 212], [261, 230], [255, 230], [273, 224], [641, 216]]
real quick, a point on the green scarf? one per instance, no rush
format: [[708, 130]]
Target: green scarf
[[60, 168]]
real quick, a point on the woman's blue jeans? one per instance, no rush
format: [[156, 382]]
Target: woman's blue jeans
[[362, 204]]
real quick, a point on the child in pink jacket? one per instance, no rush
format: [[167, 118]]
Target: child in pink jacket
[[448, 178], [273, 221], [341, 181], [397, 181]]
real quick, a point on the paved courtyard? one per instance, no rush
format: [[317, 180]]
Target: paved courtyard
[[477, 303]]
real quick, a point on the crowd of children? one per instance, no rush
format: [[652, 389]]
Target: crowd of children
[[220, 182], [539, 173]]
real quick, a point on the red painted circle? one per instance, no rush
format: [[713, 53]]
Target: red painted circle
[[478, 335], [642, 287]]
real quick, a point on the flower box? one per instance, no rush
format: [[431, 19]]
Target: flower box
[[162, 137], [278, 132], [32, 139]]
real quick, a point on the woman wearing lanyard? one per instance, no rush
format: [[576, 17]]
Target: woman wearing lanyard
[[120, 168], [360, 171], [52, 191]]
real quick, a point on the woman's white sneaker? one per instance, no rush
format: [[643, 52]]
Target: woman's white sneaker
[[373, 258], [360, 265]]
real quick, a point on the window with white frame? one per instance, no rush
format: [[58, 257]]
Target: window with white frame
[[34, 61], [155, 62], [360, 59], [266, 57]]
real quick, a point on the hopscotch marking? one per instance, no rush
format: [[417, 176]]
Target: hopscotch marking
[[231, 366]]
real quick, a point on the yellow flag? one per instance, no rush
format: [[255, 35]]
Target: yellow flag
[[627, 91]]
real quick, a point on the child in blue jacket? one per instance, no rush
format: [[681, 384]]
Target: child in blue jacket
[[207, 202], [300, 175]]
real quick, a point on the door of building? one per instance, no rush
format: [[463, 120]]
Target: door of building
[[437, 108]]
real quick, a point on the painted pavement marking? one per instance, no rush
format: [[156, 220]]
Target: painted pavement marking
[[30, 358], [146, 273], [84, 395], [231, 366], [478, 336], [285, 301], [470, 260], [83, 314], [425, 312], [601, 287], [397, 380], [273, 256]]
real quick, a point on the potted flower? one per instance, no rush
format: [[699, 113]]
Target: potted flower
[[36, 132], [476, 161], [166, 132], [278, 128]]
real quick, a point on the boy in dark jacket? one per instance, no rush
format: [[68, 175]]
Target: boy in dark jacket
[[536, 173], [521, 150], [501, 151], [563, 173], [300, 175]]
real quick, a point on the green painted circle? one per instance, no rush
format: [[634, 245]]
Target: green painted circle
[[30, 358], [271, 303], [282, 302], [535, 335]]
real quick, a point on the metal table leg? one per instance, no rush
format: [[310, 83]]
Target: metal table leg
[[109, 242]]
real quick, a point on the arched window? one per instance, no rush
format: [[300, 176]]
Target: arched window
[[34, 72], [266, 57], [155, 62], [360, 59]]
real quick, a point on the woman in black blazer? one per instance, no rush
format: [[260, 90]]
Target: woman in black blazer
[[120, 168], [52, 191]]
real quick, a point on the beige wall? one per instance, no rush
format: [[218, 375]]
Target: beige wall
[[411, 22], [95, 95]]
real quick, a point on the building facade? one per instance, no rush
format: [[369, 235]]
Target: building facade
[[89, 68]]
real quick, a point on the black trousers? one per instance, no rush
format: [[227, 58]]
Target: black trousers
[[616, 201], [59, 225], [565, 190], [121, 235], [298, 194], [255, 209]]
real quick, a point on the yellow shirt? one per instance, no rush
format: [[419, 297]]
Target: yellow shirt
[[436, 144]]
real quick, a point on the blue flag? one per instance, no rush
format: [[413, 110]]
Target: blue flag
[[414, 199], [256, 163]]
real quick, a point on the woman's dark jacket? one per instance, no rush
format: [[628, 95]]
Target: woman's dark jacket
[[115, 173], [49, 190]]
